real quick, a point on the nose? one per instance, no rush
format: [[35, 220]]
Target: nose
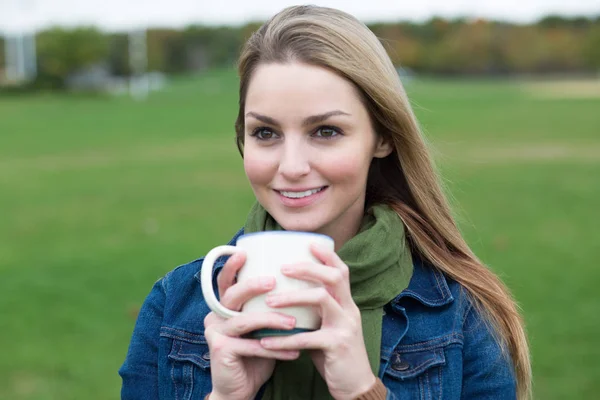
[[294, 163]]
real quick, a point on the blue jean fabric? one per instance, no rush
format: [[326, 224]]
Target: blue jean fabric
[[435, 345]]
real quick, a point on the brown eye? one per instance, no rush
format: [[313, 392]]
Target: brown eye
[[326, 132], [264, 134]]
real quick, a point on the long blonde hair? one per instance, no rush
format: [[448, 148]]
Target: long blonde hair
[[406, 180]]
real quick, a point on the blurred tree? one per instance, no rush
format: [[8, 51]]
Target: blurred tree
[[522, 48], [466, 48], [247, 30], [591, 48], [174, 51], [436, 29], [160, 55], [553, 21], [220, 45], [441, 46], [564, 50], [61, 52], [557, 21], [403, 49], [118, 58], [2, 60], [581, 22], [554, 44]]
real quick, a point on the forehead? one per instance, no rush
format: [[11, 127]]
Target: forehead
[[300, 89]]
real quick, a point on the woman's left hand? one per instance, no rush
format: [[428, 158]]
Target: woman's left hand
[[338, 348]]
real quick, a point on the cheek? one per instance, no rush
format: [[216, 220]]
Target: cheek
[[258, 169], [348, 168]]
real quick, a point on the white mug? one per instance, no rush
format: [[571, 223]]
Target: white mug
[[266, 252]]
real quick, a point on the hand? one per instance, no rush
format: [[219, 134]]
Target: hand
[[339, 343], [239, 367]]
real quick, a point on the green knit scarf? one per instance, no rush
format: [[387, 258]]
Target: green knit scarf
[[380, 268]]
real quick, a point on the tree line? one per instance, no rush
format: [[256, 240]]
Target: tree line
[[553, 44]]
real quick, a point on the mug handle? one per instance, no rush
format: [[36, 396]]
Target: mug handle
[[207, 284]]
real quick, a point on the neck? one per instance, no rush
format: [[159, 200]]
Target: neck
[[347, 227], [340, 238]]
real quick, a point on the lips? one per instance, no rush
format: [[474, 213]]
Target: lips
[[300, 194], [301, 198]]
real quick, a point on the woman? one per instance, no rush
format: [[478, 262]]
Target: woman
[[331, 145]]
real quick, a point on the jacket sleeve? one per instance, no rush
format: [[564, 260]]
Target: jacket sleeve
[[487, 369], [140, 369]]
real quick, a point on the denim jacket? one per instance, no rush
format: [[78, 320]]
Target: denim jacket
[[434, 343]]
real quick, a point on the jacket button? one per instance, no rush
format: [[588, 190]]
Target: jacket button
[[206, 356], [398, 364]]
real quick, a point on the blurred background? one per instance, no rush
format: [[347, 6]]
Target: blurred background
[[118, 163]]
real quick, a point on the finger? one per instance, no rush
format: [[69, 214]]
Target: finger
[[236, 295], [318, 357], [327, 256], [314, 272], [330, 258], [319, 298], [227, 275], [317, 340], [246, 323], [211, 319], [332, 278], [253, 348]]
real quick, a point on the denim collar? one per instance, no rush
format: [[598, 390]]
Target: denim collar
[[427, 285]]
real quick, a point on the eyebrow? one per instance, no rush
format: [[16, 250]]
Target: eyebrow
[[312, 120]]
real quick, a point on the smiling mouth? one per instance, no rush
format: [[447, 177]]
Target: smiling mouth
[[300, 195]]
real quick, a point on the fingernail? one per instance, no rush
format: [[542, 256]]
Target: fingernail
[[290, 322], [272, 299], [286, 268]]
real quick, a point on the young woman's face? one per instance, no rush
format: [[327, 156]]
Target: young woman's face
[[308, 145]]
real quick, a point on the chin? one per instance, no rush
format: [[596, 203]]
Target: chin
[[301, 225]]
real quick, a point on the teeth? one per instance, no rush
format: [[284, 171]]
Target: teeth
[[299, 195]]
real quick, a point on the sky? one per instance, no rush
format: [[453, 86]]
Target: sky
[[112, 15]]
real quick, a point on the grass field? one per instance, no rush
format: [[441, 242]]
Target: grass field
[[99, 197]]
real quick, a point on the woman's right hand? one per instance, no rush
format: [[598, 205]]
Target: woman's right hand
[[239, 367]]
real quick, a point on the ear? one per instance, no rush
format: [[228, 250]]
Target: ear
[[383, 148]]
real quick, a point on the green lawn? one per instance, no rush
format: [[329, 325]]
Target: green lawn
[[99, 197]]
